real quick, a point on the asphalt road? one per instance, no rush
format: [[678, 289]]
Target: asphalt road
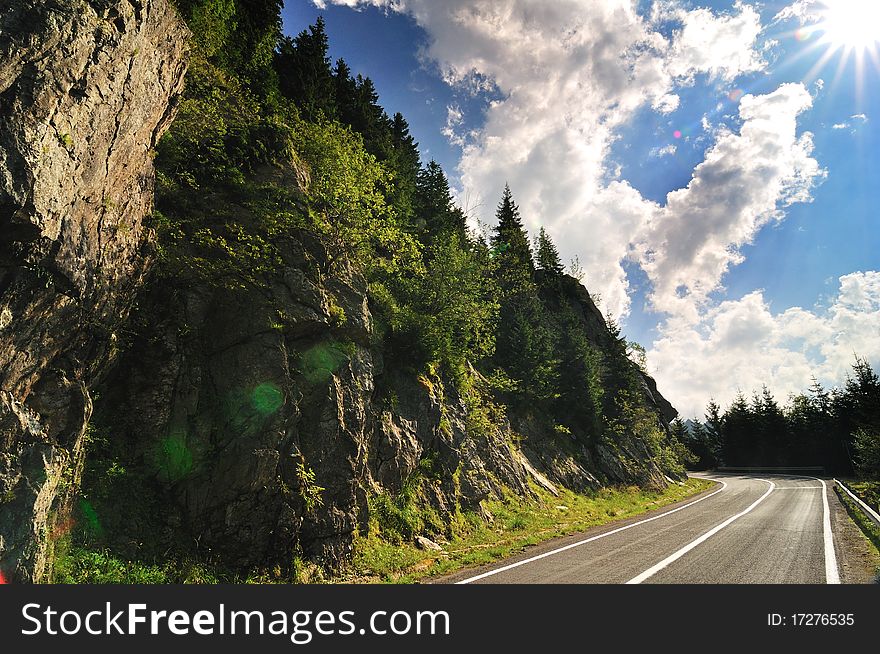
[[749, 529]]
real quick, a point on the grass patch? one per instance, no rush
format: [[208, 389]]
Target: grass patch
[[515, 524], [867, 491], [864, 522], [80, 565]]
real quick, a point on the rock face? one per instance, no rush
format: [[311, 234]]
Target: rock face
[[243, 406], [86, 89]]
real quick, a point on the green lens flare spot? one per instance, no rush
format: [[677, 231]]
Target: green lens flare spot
[[320, 362], [267, 398], [174, 459], [91, 517]]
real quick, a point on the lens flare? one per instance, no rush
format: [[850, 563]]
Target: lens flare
[[803, 33], [91, 516], [677, 133], [172, 457], [735, 95]]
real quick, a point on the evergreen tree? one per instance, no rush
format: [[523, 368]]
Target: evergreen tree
[[548, 261], [511, 242], [304, 74], [524, 342], [406, 165], [713, 431], [434, 206]]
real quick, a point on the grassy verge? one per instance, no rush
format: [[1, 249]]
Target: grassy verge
[[867, 491], [865, 523], [80, 565], [515, 525]]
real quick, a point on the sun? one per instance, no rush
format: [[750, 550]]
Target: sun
[[851, 24]]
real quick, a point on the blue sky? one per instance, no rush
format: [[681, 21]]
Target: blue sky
[[711, 164]]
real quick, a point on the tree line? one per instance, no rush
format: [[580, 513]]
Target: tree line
[[838, 429]]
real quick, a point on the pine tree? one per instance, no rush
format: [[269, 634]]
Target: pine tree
[[713, 429], [434, 205], [304, 74], [548, 260], [525, 340], [511, 242], [406, 164]]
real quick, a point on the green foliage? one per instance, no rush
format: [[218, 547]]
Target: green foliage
[[867, 451], [837, 430], [78, 565], [434, 207], [346, 201], [309, 490], [548, 260], [443, 311], [398, 517], [634, 419]]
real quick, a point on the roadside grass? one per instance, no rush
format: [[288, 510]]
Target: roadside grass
[[864, 522], [80, 565], [868, 491], [516, 524]]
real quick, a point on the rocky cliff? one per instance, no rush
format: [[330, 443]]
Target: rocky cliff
[[264, 420], [87, 87]]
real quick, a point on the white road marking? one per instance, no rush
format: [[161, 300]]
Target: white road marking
[[832, 576], [798, 488], [650, 572], [590, 540]]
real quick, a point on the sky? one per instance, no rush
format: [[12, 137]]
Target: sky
[[712, 164]]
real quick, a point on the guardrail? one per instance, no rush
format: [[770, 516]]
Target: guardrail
[[871, 513]]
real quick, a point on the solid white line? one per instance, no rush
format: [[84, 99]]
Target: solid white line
[[798, 488], [832, 576], [590, 540], [650, 572]]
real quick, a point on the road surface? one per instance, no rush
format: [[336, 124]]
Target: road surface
[[752, 529]]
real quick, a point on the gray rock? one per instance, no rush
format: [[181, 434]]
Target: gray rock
[[427, 544], [86, 89]]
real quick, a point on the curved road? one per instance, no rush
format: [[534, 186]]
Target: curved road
[[749, 529]]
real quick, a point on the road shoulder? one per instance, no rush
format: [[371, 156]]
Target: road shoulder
[[563, 541], [857, 559]]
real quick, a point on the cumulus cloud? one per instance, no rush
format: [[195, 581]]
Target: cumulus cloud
[[569, 74], [741, 344], [687, 246], [713, 44]]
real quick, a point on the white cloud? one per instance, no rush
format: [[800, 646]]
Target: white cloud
[[713, 44], [840, 126], [454, 119], [571, 73], [687, 247], [740, 345], [665, 151]]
